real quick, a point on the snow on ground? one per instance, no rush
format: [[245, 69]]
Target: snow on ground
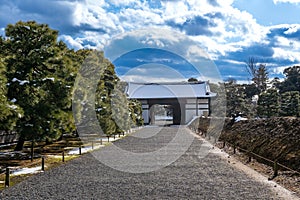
[[84, 149], [74, 151], [26, 170], [239, 118]]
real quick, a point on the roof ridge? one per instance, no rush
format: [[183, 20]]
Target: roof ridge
[[168, 83]]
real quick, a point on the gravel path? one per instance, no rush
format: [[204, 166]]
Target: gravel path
[[190, 177]]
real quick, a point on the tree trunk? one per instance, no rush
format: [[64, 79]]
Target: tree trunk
[[20, 144]]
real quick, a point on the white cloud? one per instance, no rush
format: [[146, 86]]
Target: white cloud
[[153, 73], [284, 42], [92, 23], [150, 79], [280, 53], [73, 43], [279, 70], [133, 18], [121, 3], [292, 29], [175, 10], [93, 14], [234, 62], [195, 51], [286, 1]]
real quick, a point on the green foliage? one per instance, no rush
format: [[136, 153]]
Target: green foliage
[[101, 98], [259, 74], [268, 103], [105, 89], [250, 90], [218, 103], [237, 104], [135, 108], [261, 78], [292, 81], [9, 112], [37, 76], [84, 103], [290, 104], [40, 74]]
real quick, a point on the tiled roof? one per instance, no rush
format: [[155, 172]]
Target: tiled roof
[[168, 90]]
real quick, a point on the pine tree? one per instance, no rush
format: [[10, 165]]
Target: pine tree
[[295, 103], [38, 73], [9, 112], [285, 104], [268, 103], [290, 104], [259, 74], [99, 98], [236, 102], [135, 109], [4, 106], [85, 95], [292, 80]]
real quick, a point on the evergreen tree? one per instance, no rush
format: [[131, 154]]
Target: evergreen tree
[[268, 103], [290, 104], [135, 109], [105, 89], [100, 97], [218, 103], [292, 80], [258, 73], [39, 74], [261, 78], [9, 112], [85, 96], [237, 104], [4, 106]]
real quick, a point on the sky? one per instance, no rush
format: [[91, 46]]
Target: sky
[[173, 39]]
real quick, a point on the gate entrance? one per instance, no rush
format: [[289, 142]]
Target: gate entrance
[[183, 100], [162, 112]]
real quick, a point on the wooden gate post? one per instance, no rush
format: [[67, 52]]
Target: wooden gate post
[[234, 148], [32, 150], [43, 163], [63, 156], [275, 168], [7, 179]]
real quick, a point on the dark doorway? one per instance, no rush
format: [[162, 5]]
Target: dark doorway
[[165, 111]]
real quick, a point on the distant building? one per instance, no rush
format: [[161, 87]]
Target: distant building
[[186, 99]]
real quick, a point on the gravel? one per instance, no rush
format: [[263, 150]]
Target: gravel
[[189, 177]]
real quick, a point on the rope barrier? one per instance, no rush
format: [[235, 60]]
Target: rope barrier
[[252, 154], [266, 159]]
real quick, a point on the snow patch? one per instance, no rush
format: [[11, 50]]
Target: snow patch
[[14, 107], [86, 149], [49, 78], [239, 118], [21, 82], [26, 170]]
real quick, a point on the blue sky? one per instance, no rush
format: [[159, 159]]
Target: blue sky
[[229, 31]]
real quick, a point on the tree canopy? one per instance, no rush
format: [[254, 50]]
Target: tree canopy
[[37, 76], [292, 80]]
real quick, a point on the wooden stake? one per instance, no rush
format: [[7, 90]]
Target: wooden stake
[[7, 179], [43, 163]]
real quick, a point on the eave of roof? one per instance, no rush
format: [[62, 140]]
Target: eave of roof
[[169, 90]]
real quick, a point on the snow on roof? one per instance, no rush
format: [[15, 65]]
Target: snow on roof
[[168, 90]]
